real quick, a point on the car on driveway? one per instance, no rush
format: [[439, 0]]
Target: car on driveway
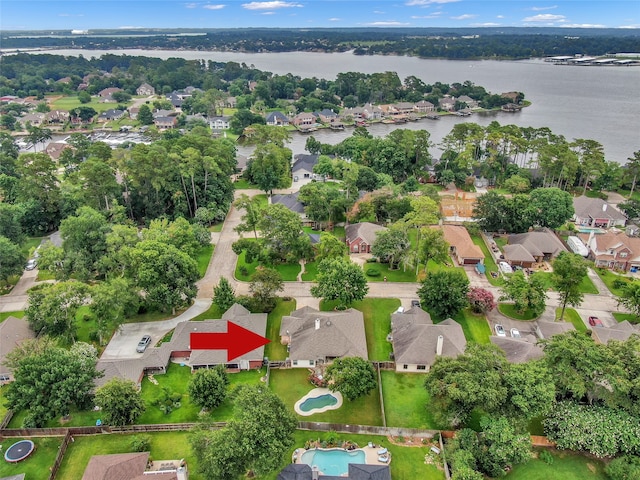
[[595, 322], [500, 330], [415, 303], [515, 333], [143, 344], [31, 264]]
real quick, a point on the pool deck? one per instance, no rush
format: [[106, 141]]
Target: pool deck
[[371, 455], [318, 392]]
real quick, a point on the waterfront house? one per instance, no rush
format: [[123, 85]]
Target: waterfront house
[[595, 212], [219, 123], [424, 107], [277, 119]]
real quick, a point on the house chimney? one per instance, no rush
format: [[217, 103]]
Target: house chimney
[[317, 324], [439, 345], [604, 207], [314, 473]]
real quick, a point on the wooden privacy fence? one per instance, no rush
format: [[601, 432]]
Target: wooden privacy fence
[[61, 451]]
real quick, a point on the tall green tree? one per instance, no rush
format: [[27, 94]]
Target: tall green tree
[[50, 380], [330, 247], [552, 206], [353, 377], [264, 285], [120, 402], [112, 302], [253, 208], [223, 295], [270, 167], [444, 293], [526, 293], [145, 117], [208, 387], [282, 234], [341, 280], [390, 245], [84, 241], [12, 260], [569, 270], [255, 439], [630, 297], [433, 247]]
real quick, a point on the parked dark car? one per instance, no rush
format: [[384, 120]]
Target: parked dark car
[[415, 303], [143, 344]]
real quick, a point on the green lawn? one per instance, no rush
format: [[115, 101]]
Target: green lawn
[[336, 232], [475, 327], [292, 384], [243, 184], [571, 316], [276, 350], [164, 446], [586, 286], [217, 227], [566, 466], [203, 257], [30, 244], [5, 315], [613, 281], [289, 272], [69, 103], [37, 465], [489, 263], [406, 401], [396, 275], [509, 310], [211, 314], [310, 271], [621, 317], [377, 323]]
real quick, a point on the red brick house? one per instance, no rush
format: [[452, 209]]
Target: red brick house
[[360, 236]]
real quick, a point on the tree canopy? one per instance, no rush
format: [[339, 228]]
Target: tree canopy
[[444, 293], [353, 377], [340, 279], [120, 402]]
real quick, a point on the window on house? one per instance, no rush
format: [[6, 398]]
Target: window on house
[[422, 367], [623, 254], [405, 366], [295, 363], [312, 363]]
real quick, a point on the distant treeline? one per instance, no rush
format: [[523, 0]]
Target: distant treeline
[[504, 43]]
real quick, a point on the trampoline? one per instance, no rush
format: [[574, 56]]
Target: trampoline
[[19, 451]]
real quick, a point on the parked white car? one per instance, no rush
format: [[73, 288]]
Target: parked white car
[[505, 267], [500, 330]]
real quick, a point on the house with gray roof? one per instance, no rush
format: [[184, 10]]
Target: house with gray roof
[[219, 123], [302, 167], [360, 236], [290, 200], [357, 471], [543, 244], [315, 338], [595, 212], [145, 89], [133, 466], [549, 329], [518, 350], [13, 331], [418, 342], [518, 255], [277, 119], [620, 332]]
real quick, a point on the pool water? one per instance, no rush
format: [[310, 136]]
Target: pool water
[[332, 462], [314, 403]]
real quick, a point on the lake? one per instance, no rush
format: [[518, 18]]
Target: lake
[[600, 103]]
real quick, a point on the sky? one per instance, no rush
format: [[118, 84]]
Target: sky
[[95, 14]]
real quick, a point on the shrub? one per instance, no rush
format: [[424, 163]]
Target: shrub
[[373, 272], [546, 457], [243, 271], [141, 443]]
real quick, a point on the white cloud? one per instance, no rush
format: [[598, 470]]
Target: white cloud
[[335, 19], [378, 12], [545, 17], [270, 5], [499, 16], [433, 15], [418, 3], [486, 24], [629, 26], [214, 7], [268, 13], [391, 23], [466, 16], [582, 25], [191, 5], [540, 9]]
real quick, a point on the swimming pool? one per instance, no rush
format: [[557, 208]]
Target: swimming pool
[[318, 400], [590, 229], [332, 462], [313, 403]]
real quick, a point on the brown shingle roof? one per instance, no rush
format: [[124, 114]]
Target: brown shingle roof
[[365, 230], [517, 350], [415, 337], [340, 334], [539, 243], [517, 253], [620, 332], [122, 466], [596, 208], [457, 236]]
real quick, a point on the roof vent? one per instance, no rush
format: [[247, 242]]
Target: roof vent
[[439, 345], [317, 324], [328, 324]]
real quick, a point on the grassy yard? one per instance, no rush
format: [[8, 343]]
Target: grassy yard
[[5, 315], [310, 271], [475, 327], [211, 314], [377, 323], [289, 272], [565, 466], [217, 227], [275, 350], [489, 263], [37, 465], [164, 446], [613, 281], [69, 103], [406, 401], [243, 184], [203, 257], [621, 317], [586, 286], [509, 310], [571, 316], [292, 384], [396, 275]]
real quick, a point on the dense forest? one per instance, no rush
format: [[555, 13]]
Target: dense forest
[[507, 43]]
